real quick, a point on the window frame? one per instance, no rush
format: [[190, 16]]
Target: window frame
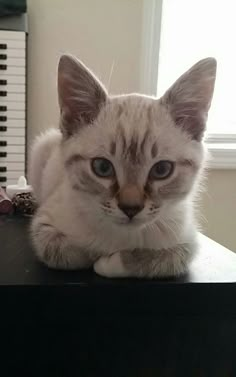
[[222, 147]]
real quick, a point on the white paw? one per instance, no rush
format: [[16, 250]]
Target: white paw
[[110, 267]]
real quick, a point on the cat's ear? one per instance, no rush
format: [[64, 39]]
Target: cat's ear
[[189, 98], [80, 94]]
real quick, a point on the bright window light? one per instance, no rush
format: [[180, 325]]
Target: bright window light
[[192, 30]]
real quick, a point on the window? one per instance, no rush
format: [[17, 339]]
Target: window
[[195, 29], [191, 30]]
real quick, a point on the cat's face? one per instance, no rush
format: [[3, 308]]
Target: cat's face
[[132, 158]]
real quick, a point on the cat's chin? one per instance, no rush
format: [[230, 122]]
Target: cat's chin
[[132, 224]]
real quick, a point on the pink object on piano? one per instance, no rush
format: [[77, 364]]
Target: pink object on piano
[[6, 206]]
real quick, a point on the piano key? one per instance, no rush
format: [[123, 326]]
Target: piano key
[[13, 174], [15, 149], [13, 62], [12, 105], [13, 79], [9, 70], [11, 140], [11, 97], [12, 166], [13, 52], [12, 44], [9, 182], [11, 88], [9, 131], [13, 123], [12, 35], [12, 114], [11, 157]]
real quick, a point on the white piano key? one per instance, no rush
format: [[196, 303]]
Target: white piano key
[[13, 62], [13, 79], [12, 140], [13, 166], [14, 149], [12, 105], [12, 181], [11, 97], [11, 157], [13, 114], [13, 52], [11, 88], [10, 131], [18, 71], [13, 174], [10, 123], [20, 44], [15, 35]]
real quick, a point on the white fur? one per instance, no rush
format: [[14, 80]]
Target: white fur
[[79, 216]]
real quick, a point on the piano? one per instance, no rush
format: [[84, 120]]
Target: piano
[[12, 106]]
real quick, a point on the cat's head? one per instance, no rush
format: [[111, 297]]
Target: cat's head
[[132, 157]]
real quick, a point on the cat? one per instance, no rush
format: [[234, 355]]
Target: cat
[[115, 183]]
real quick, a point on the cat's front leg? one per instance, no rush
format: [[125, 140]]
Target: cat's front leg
[[54, 248], [146, 263]]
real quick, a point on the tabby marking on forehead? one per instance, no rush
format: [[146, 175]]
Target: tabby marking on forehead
[[121, 137], [144, 141], [113, 148], [154, 150], [132, 150]]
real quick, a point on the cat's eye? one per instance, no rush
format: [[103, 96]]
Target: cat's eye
[[161, 170], [102, 167]]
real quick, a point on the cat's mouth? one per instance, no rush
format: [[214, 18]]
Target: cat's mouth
[[130, 222]]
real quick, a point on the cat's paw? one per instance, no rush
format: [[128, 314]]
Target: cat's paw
[[53, 247], [110, 266]]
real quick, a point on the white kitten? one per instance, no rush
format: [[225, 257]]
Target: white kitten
[[115, 185]]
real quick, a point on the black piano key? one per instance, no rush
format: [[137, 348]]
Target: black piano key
[[3, 82], [3, 143], [3, 128], [3, 154], [3, 46], [3, 56], [3, 108], [3, 118], [3, 67], [3, 179], [3, 169], [3, 93]]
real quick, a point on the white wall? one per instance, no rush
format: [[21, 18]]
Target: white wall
[[101, 32], [218, 207]]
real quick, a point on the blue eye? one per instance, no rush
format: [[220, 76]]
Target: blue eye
[[161, 170], [102, 168]]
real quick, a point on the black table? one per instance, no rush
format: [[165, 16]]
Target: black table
[[55, 323]]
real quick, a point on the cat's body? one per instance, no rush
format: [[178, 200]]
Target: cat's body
[[131, 221]]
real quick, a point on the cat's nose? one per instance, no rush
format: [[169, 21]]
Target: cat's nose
[[130, 200], [131, 211]]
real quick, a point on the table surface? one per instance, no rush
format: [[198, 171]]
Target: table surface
[[209, 286]]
